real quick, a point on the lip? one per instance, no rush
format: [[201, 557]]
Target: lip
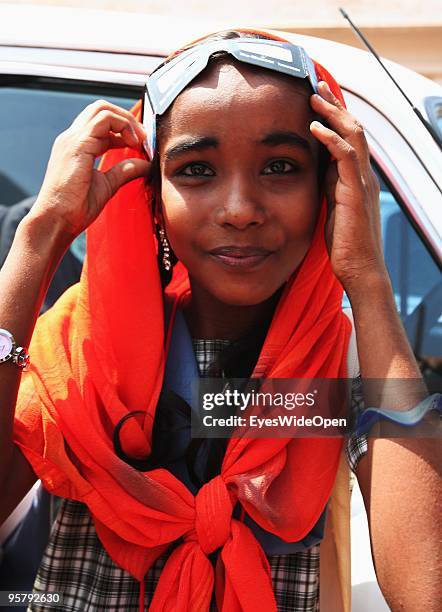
[[240, 257]]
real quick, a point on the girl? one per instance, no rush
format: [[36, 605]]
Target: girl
[[236, 189]]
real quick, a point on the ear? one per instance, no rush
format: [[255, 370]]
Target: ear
[[158, 211]]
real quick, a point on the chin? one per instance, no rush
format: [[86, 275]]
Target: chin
[[243, 295]]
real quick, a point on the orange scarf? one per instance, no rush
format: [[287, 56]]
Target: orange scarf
[[100, 353]]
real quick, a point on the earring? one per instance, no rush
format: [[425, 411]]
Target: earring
[[166, 257], [166, 250]]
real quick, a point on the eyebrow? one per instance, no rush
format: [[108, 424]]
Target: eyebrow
[[200, 143], [190, 143], [286, 138]]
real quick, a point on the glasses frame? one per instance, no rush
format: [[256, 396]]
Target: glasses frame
[[191, 62]]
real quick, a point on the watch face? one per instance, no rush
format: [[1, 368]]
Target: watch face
[[5, 346]]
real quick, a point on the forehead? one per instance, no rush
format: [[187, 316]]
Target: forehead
[[236, 94]]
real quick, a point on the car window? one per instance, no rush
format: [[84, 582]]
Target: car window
[[417, 285], [32, 113]]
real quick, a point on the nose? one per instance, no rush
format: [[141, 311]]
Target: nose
[[241, 205]]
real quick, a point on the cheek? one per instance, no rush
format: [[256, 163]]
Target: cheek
[[299, 218], [300, 210], [179, 219], [172, 204]]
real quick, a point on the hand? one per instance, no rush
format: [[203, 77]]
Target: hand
[[353, 228], [73, 192]]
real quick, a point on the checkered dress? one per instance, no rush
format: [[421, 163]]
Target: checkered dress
[[76, 565]]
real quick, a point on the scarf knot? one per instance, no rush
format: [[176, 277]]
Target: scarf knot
[[213, 515]]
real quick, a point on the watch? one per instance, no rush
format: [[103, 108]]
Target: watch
[[10, 350]]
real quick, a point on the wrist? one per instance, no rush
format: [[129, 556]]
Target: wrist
[[44, 234], [374, 285], [383, 348]]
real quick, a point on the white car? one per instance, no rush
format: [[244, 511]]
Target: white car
[[53, 62]]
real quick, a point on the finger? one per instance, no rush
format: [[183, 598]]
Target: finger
[[125, 171], [345, 155], [107, 121], [113, 141], [96, 107], [356, 137], [330, 107], [105, 131]]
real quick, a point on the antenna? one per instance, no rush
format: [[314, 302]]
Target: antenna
[[373, 52]]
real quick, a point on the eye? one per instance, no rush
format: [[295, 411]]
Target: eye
[[197, 170], [279, 166]]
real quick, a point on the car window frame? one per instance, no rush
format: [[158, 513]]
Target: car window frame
[[420, 208]]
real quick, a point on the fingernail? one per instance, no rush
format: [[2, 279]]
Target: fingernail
[[326, 92], [316, 124]]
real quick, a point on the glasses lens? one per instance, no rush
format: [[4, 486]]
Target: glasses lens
[[281, 53], [174, 74]]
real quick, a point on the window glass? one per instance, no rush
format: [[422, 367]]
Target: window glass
[[417, 285], [31, 116]]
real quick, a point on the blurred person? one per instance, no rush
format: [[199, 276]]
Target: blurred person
[[69, 269]]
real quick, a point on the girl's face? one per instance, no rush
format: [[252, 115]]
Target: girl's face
[[239, 181]]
